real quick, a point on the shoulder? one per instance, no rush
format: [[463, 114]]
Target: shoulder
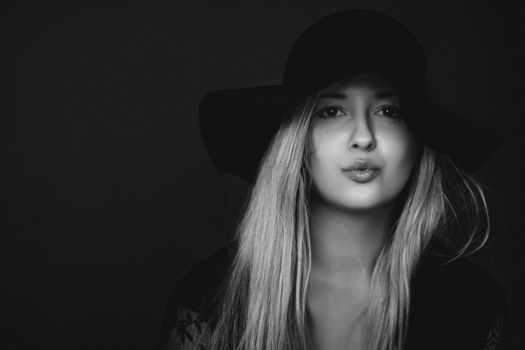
[[192, 301], [189, 331], [198, 287], [459, 281], [456, 304]]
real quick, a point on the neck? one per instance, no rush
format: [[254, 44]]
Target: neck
[[345, 243]]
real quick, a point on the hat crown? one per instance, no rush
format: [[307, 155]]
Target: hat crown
[[352, 41]]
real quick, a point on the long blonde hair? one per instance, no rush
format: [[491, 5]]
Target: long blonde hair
[[263, 302]]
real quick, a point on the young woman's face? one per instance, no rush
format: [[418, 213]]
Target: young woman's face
[[362, 153]]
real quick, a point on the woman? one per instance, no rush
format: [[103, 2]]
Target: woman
[[361, 207]]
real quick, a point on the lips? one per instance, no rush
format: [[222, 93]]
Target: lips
[[362, 165], [362, 171]]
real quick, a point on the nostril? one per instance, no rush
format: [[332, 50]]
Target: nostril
[[366, 146]]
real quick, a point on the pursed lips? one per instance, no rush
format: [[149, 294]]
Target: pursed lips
[[361, 165], [361, 171]]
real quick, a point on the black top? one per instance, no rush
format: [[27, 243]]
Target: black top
[[453, 306]]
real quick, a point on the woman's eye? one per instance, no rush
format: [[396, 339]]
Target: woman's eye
[[390, 112], [330, 112]]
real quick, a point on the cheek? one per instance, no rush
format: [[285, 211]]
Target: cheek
[[320, 160], [324, 159], [400, 151]]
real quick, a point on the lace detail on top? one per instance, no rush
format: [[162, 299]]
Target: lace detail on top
[[190, 332], [494, 338]]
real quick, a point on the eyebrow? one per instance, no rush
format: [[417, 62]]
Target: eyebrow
[[381, 94]]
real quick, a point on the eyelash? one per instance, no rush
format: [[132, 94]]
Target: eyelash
[[397, 111], [321, 111], [394, 108]]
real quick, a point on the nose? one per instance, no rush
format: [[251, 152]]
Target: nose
[[362, 136]]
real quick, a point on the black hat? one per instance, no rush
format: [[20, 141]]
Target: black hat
[[238, 124]]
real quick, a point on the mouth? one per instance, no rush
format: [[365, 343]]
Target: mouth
[[362, 171]]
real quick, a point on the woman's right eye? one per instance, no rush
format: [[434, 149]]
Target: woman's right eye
[[330, 112]]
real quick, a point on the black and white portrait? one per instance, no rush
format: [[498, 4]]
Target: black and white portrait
[[263, 175]]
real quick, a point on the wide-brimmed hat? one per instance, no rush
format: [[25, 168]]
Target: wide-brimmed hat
[[238, 124]]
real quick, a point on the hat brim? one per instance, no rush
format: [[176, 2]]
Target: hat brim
[[468, 142], [237, 126]]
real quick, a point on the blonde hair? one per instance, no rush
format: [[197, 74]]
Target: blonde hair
[[263, 302]]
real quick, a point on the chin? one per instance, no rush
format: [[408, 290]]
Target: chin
[[363, 199], [360, 205], [354, 197]]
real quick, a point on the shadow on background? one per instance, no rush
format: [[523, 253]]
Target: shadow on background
[[110, 194]]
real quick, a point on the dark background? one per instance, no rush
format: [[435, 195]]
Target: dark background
[[110, 195]]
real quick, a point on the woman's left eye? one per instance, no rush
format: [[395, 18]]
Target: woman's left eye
[[391, 112], [330, 112]]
